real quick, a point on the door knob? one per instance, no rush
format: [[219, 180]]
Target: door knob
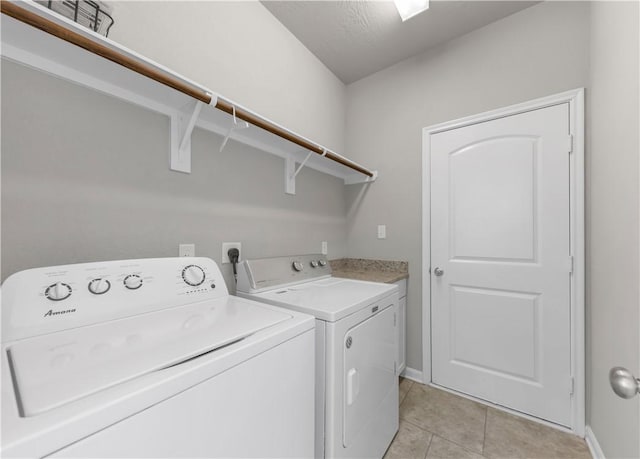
[[438, 272], [623, 383]]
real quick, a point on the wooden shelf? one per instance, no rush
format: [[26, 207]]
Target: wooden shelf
[[36, 37]]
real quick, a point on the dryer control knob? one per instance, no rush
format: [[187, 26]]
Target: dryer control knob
[[133, 281], [99, 286], [314, 264], [58, 291], [193, 275], [297, 266], [322, 263]]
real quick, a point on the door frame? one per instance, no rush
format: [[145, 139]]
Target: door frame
[[575, 99]]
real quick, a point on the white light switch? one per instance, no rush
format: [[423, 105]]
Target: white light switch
[[187, 250], [324, 247], [382, 231]]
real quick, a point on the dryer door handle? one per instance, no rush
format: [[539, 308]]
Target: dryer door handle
[[353, 385]]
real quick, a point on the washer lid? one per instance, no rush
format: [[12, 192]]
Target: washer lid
[[328, 299], [55, 369]]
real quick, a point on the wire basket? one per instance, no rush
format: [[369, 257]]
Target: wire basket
[[93, 14]]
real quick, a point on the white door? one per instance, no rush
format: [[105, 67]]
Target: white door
[[500, 258]]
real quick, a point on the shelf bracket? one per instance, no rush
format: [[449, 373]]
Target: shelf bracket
[[182, 124], [289, 175], [290, 172], [295, 174]]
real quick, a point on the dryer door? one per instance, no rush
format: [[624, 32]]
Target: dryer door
[[370, 350]]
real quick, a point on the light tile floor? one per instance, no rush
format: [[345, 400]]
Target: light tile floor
[[435, 424]]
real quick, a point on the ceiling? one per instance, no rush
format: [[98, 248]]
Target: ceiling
[[355, 38]]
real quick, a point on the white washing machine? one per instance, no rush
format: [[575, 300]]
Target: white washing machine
[[356, 348], [151, 358]]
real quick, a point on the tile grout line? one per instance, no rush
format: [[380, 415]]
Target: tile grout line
[[417, 426], [466, 448], [428, 446], [433, 434], [405, 395]]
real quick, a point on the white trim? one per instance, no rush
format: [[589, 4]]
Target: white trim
[[592, 444], [575, 99], [536, 104], [426, 255], [413, 375], [577, 171]]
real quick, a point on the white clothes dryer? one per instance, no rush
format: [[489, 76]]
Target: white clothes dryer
[[356, 348], [151, 358]]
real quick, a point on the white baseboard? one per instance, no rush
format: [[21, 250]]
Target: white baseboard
[[592, 443], [413, 375]]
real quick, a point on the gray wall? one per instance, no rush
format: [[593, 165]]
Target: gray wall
[[85, 177], [540, 51], [241, 51], [613, 265]]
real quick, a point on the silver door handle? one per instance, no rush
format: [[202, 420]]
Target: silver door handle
[[623, 383], [438, 272]]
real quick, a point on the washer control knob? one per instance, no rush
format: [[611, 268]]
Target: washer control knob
[[99, 286], [133, 281], [58, 291], [297, 266], [322, 263], [193, 275], [314, 264]]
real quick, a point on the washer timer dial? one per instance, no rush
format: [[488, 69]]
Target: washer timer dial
[[193, 275], [99, 286], [58, 291], [133, 281]]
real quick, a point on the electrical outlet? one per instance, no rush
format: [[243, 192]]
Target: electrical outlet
[[382, 231], [324, 247], [187, 250], [225, 250]]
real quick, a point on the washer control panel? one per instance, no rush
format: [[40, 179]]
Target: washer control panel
[[45, 300], [258, 275]]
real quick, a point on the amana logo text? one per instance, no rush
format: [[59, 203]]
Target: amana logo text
[[51, 312]]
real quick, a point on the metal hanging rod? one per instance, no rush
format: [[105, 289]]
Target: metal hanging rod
[[167, 79], [274, 129]]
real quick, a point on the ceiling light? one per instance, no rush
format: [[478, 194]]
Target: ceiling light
[[409, 8]]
